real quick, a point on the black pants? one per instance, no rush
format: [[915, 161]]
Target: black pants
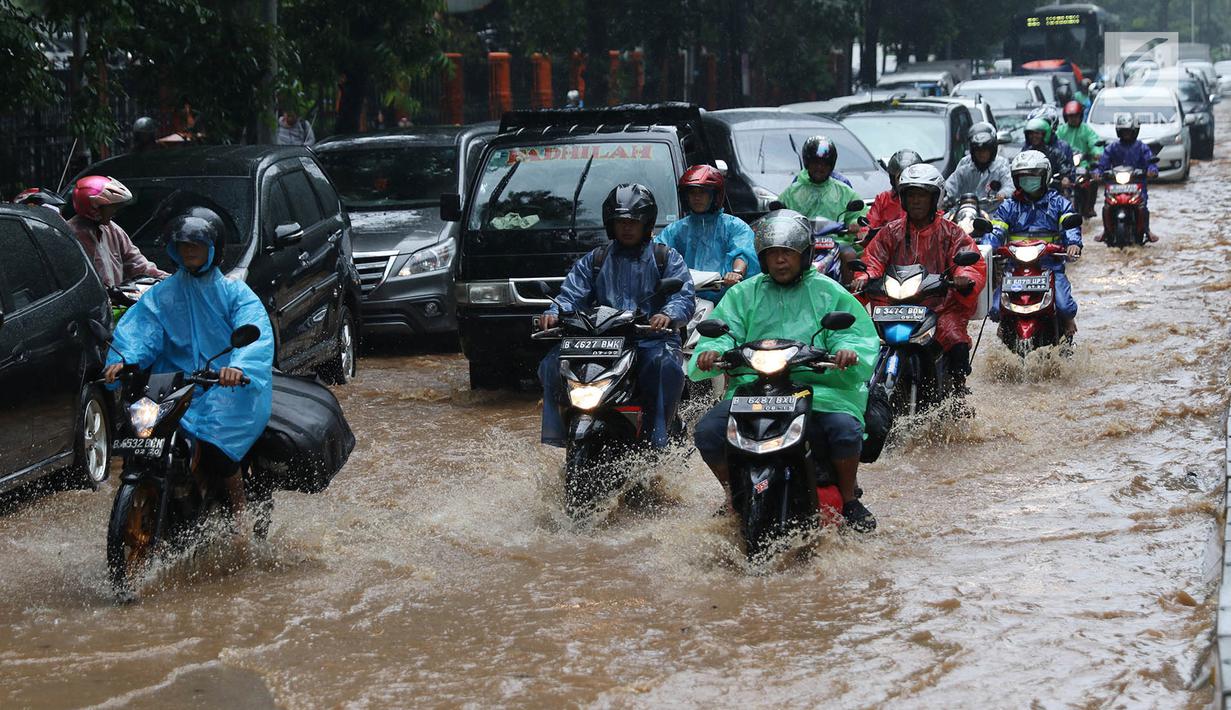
[[215, 463]]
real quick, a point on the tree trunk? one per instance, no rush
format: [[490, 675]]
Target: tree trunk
[[351, 105], [867, 46], [1163, 6], [597, 64]]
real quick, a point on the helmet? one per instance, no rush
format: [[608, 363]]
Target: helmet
[[983, 135], [787, 229], [820, 148], [902, 160], [706, 177], [1073, 108], [922, 176], [630, 201], [94, 191], [199, 225], [1031, 162], [1064, 91], [1049, 113], [1039, 125], [144, 126], [37, 196], [1127, 127]]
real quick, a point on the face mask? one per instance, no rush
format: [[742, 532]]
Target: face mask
[[1030, 183]]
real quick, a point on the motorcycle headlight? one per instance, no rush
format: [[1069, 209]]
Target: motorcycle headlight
[[433, 258], [900, 290], [1123, 177], [767, 362], [1077, 159], [793, 434], [1027, 254], [588, 395], [144, 415]]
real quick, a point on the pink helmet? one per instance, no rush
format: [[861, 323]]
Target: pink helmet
[[94, 191]]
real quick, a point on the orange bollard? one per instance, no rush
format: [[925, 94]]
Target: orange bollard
[[501, 87], [541, 94], [453, 99]]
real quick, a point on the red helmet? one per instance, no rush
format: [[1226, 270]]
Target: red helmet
[[1073, 108], [94, 191], [707, 177]]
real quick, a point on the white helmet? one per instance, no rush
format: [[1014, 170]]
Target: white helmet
[[1031, 162], [924, 176]]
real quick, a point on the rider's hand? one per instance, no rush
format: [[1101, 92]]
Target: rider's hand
[[1074, 252], [230, 376], [547, 320], [112, 372], [706, 360], [963, 282], [1065, 182], [858, 282], [732, 278], [659, 321], [853, 229], [845, 358]]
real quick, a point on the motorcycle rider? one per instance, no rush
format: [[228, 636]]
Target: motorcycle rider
[[983, 166], [626, 279], [886, 207], [1082, 139], [1035, 212], [709, 239], [815, 194], [1041, 136], [96, 199], [788, 300], [189, 317], [926, 238], [1135, 154]]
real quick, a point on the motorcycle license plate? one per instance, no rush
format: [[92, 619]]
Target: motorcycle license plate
[[591, 347], [823, 243], [1026, 284], [899, 314], [1121, 189], [142, 448], [750, 405]]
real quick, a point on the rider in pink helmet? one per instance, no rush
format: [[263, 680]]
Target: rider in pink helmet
[[96, 199]]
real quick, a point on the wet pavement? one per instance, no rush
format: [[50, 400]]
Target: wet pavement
[[1059, 550]]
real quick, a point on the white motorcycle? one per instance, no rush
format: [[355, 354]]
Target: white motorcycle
[[702, 281]]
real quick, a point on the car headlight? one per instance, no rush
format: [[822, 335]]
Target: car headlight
[[144, 415], [433, 258], [1179, 139], [793, 434], [767, 362], [1026, 254], [900, 290], [587, 395], [1123, 177], [486, 294]]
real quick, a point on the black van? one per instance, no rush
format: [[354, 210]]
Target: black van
[[534, 206]]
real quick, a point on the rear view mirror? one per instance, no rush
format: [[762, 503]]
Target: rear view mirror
[[99, 331], [1070, 221], [994, 186], [245, 335], [982, 226], [288, 234], [1190, 120], [542, 288], [1004, 137], [857, 265], [1155, 148], [967, 258], [713, 328], [838, 320], [721, 165], [669, 287], [451, 207], [1154, 160], [854, 206]]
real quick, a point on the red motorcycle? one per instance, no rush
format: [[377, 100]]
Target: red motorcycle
[[1085, 189], [1028, 318]]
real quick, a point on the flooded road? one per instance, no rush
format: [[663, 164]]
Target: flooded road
[[1060, 550]]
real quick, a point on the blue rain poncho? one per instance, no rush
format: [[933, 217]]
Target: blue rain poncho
[[183, 321], [712, 241]]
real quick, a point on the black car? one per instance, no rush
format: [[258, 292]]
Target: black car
[[51, 417], [935, 130], [534, 206], [390, 184], [761, 148], [289, 239]]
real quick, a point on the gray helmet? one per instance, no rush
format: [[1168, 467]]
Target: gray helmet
[[922, 176], [1031, 162], [983, 135], [1048, 112], [902, 160], [787, 229]]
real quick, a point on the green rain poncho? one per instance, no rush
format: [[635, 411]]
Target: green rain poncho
[[1083, 140], [828, 200], [760, 308]]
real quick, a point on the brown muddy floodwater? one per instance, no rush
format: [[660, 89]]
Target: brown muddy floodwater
[[1059, 550]]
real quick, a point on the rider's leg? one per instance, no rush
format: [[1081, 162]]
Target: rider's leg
[[841, 435], [660, 376], [549, 375], [214, 463], [1066, 307]]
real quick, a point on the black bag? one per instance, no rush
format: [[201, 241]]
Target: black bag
[[307, 440], [877, 421]]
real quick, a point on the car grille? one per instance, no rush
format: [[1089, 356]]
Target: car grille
[[371, 271]]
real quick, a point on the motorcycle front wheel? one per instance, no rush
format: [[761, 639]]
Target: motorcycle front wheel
[[130, 534], [584, 480]]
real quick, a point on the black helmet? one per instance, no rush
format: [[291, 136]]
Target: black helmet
[[199, 225], [900, 161], [144, 125], [819, 147], [983, 136], [630, 201]]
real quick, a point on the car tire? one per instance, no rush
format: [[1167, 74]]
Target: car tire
[[91, 443], [341, 369]]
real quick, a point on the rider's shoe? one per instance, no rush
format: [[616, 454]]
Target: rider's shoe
[[858, 517]]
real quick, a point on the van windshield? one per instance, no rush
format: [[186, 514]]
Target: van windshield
[[531, 187]]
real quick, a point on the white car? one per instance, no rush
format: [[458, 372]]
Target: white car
[[1204, 68], [1223, 69], [1162, 124]]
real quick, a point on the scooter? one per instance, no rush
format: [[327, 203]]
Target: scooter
[[702, 281], [827, 250], [1124, 217], [126, 295], [1028, 317], [779, 486], [1085, 189], [911, 366], [603, 420]]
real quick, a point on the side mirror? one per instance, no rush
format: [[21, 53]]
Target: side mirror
[[857, 265], [542, 288], [669, 287], [1154, 160], [995, 185], [1156, 148], [245, 335], [288, 234], [838, 320], [99, 331], [776, 205], [722, 166], [1004, 137], [713, 328], [854, 206], [982, 226], [1101, 143], [451, 207], [1070, 221], [1190, 120], [967, 258]]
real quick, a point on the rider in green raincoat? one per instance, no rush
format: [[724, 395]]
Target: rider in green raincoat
[[815, 194]]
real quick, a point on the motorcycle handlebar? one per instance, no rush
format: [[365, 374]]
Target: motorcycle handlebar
[[209, 378]]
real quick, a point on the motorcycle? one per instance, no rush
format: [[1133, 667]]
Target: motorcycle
[[702, 281], [827, 250], [1028, 318], [162, 499], [602, 418], [1085, 189], [779, 486], [1124, 217], [126, 295], [911, 366]]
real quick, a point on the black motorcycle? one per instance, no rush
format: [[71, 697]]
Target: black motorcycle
[[774, 474], [162, 500], [603, 419]]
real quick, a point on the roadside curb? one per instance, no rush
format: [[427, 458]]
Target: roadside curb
[[1224, 589]]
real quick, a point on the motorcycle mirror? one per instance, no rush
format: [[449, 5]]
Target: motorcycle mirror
[[713, 328], [854, 206], [245, 335], [857, 265], [669, 287], [98, 330], [776, 205], [862, 221], [995, 185], [982, 226], [1154, 160], [967, 258], [542, 288], [1101, 143], [838, 320], [1070, 221]]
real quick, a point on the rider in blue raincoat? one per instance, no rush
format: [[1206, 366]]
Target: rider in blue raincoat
[[183, 321], [1135, 154], [625, 274], [708, 238], [1035, 212]]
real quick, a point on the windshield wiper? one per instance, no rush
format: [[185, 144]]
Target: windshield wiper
[[572, 225], [504, 182], [761, 154]]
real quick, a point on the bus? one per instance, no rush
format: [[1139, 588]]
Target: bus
[[1060, 32]]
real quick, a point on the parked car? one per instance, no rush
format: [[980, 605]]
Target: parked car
[[535, 206], [829, 107], [1162, 123], [1223, 69], [289, 239], [1196, 97], [918, 83], [1202, 67], [51, 418], [935, 131], [761, 148], [1016, 93], [390, 184], [979, 109]]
